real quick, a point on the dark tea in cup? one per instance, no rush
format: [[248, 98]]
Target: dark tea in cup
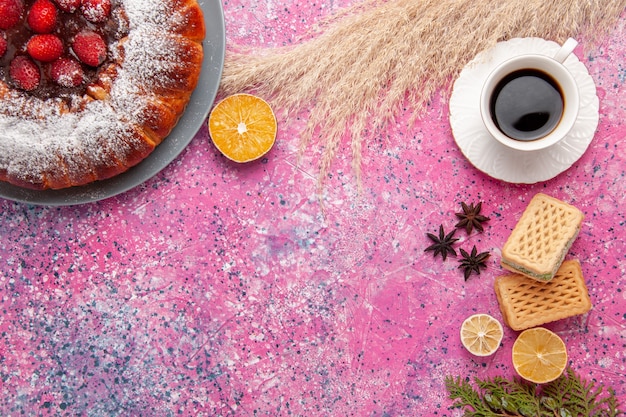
[[527, 104]]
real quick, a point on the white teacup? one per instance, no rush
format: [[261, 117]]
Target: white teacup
[[530, 102]]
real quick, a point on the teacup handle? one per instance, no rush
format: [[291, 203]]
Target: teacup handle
[[565, 51]]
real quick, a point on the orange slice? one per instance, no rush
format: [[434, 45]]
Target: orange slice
[[481, 334], [539, 355], [243, 127]]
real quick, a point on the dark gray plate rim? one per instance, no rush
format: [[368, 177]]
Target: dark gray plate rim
[[188, 126]]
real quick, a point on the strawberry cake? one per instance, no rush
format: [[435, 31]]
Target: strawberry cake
[[89, 88]]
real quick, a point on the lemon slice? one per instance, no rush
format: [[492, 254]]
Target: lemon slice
[[243, 127], [481, 334], [539, 355]]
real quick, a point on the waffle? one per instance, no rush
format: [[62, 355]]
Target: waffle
[[526, 303], [542, 237]]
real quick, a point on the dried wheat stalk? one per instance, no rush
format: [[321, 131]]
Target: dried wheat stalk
[[357, 69]]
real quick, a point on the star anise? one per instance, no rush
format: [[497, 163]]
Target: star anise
[[443, 243], [471, 218], [472, 262]]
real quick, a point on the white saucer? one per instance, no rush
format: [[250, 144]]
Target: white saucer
[[489, 155]]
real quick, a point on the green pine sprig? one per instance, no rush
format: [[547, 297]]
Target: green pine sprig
[[567, 396]]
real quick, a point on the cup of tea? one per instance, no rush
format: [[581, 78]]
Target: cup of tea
[[530, 102]]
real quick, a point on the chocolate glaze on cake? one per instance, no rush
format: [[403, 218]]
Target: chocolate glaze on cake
[[57, 138]]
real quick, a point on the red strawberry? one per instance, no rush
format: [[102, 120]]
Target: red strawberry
[[42, 17], [90, 48], [10, 13], [67, 72], [68, 6], [96, 11], [3, 43], [25, 73], [45, 48]]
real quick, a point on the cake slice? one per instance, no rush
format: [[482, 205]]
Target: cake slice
[[542, 237], [526, 303]]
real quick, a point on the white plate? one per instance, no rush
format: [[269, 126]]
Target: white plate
[[489, 155], [186, 129]]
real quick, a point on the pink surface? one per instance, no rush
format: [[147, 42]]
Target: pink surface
[[217, 289]]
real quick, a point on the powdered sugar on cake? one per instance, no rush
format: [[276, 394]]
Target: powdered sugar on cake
[[37, 136]]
